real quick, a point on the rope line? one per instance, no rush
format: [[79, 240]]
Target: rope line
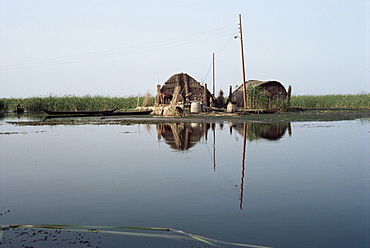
[[220, 50]]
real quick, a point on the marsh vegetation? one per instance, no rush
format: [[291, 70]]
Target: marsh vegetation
[[357, 101], [72, 102], [97, 102]]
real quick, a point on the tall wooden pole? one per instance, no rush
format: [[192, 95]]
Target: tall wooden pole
[[213, 74], [242, 56]]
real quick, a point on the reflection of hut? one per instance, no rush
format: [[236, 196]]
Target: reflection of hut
[[182, 136], [261, 94], [268, 131], [190, 90]]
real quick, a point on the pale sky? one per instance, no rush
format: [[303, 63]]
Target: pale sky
[[122, 48]]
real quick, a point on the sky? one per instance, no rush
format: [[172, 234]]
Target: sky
[[125, 48]]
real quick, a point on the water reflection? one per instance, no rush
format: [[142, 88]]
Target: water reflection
[[268, 131], [284, 188], [14, 116], [183, 136]]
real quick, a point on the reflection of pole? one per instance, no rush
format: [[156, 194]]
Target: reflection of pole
[[243, 165], [214, 146]]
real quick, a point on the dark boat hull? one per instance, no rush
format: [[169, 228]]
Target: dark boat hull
[[65, 113], [126, 113], [19, 110]]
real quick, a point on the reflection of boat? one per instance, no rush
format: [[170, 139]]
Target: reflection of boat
[[82, 113], [109, 113]]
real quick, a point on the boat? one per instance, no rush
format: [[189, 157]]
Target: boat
[[19, 109], [80, 113], [108, 113]]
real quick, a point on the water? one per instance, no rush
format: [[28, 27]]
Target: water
[[301, 184]]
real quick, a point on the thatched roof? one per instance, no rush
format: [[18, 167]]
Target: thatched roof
[[258, 83], [181, 76], [274, 90], [190, 89]]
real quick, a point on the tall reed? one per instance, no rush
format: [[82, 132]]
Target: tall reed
[[72, 102], [358, 101], [97, 102]]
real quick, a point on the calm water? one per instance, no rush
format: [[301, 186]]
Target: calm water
[[302, 184]]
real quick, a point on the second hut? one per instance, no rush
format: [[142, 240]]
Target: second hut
[[261, 94]]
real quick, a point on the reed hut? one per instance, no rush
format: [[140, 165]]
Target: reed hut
[[261, 94], [189, 90]]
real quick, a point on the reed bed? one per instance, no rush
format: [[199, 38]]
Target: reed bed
[[72, 102], [97, 102], [357, 101]]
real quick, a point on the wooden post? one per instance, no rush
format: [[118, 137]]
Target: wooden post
[[157, 97], [230, 95], [213, 74], [186, 86], [205, 97], [289, 93], [242, 57]]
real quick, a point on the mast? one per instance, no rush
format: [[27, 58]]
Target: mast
[[242, 57]]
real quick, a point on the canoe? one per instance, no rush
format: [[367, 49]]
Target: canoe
[[106, 113], [50, 112], [19, 110]]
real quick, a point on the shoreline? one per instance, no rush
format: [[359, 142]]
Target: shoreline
[[310, 115]]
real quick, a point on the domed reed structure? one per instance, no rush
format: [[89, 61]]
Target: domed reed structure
[[189, 90], [261, 94]]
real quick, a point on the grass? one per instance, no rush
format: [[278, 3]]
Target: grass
[[358, 101], [97, 102], [71, 102]]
